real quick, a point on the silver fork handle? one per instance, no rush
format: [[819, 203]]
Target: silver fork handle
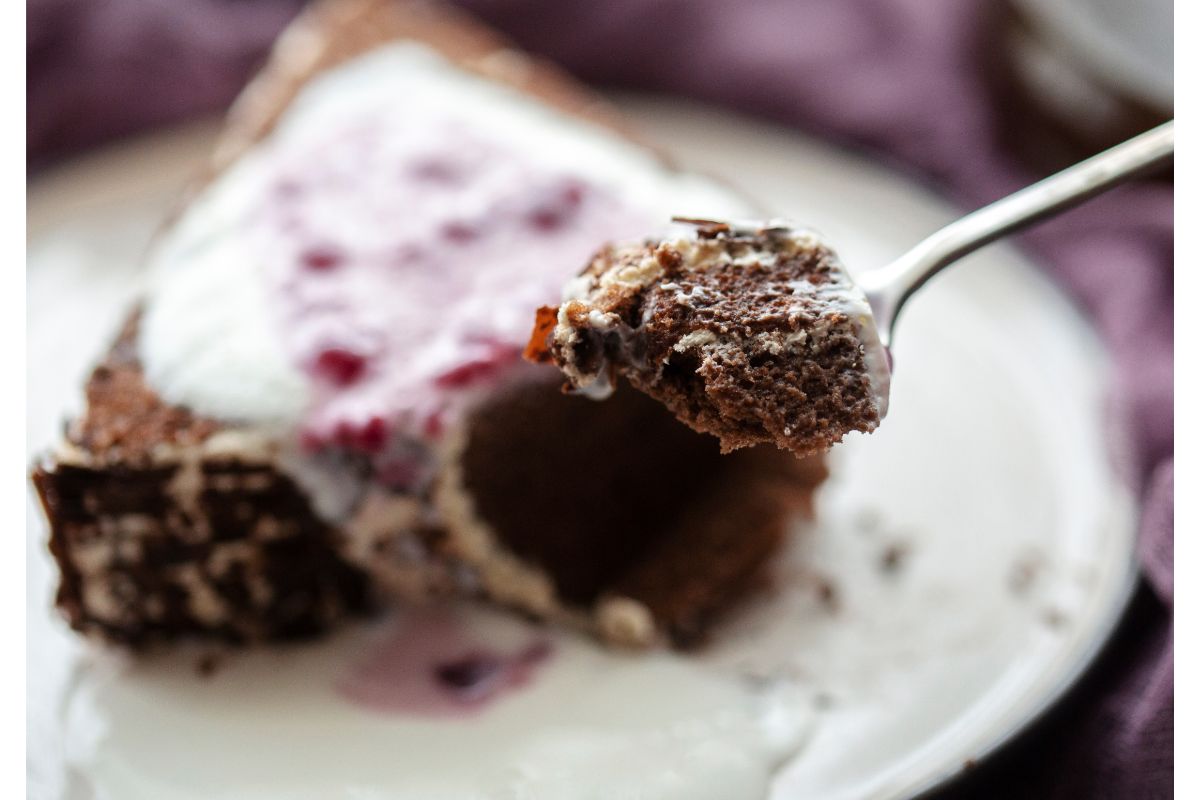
[[889, 288]]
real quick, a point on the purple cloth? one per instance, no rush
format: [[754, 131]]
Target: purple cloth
[[905, 79], [98, 69]]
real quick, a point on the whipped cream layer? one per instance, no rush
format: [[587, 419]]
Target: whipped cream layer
[[368, 271]]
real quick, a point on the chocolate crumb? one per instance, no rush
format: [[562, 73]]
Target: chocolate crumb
[[208, 664], [1054, 618], [1023, 574], [827, 594], [705, 228], [893, 558]]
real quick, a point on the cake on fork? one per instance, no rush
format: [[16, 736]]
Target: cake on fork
[[754, 333], [320, 401]]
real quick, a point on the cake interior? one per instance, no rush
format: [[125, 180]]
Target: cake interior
[[620, 500], [754, 336]]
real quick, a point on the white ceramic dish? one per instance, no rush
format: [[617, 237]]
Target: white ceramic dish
[[971, 556]]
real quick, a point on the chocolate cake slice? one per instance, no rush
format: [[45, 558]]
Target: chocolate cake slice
[[164, 523], [753, 333], [320, 402]]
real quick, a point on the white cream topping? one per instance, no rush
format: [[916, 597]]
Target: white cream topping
[[206, 340], [209, 338]]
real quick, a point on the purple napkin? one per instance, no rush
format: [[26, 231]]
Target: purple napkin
[[905, 79], [98, 69]]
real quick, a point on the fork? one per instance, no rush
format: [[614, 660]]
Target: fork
[[889, 288]]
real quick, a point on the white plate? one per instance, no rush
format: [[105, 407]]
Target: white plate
[[991, 478]]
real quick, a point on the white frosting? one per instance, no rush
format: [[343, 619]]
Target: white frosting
[[875, 356], [208, 339]]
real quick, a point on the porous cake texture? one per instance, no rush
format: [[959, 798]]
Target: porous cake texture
[[752, 333]]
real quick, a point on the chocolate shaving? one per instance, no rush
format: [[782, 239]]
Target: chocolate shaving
[[705, 228], [893, 557]]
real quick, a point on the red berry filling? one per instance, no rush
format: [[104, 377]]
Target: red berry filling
[[558, 208], [340, 366], [322, 257], [460, 231]]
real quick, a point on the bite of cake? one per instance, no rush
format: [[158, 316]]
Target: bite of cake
[[751, 332]]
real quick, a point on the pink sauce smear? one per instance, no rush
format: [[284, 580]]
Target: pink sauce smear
[[431, 665], [407, 262]]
